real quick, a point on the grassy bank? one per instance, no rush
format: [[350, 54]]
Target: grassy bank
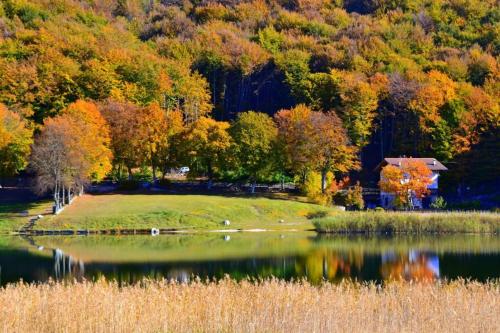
[[12, 216], [203, 212], [269, 306], [409, 222]]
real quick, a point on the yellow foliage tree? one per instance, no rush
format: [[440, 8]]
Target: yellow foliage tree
[[15, 141], [204, 144]]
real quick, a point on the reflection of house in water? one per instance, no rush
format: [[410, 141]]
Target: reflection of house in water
[[65, 266], [415, 265]]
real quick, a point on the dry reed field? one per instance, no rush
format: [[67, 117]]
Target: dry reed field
[[267, 306]]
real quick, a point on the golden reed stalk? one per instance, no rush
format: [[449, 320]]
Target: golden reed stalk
[[266, 306]]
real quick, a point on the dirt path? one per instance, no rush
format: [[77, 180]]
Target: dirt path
[[28, 227]]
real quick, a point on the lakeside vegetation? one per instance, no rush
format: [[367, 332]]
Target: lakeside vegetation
[[264, 306], [409, 222], [192, 212]]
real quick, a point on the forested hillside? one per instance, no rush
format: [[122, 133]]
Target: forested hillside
[[413, 77]]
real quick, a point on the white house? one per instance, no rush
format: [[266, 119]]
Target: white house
[[387, 199]]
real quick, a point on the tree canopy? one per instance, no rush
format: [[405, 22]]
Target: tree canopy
[[412, 77]]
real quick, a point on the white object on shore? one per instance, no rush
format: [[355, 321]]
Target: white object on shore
[[227, 222], [227, 238], [155, 232], [281, 221], [40, 216], [40, 248]]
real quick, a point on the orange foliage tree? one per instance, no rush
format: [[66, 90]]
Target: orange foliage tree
[[71, 150], [405, 182], [315, 142], [124, 122], [91, 138]]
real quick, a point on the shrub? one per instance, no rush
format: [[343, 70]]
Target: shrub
[[439, 203], [354, 197], [317, 214], [312, 189]]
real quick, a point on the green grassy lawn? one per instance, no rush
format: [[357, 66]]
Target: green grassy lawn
[[12, 219], [409, 222], [201, 212]]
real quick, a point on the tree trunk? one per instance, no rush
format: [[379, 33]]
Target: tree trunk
[[129, 170], [63, 197], [323, 181], [209, 174], [56, 199], [153, 166], [254, 183]]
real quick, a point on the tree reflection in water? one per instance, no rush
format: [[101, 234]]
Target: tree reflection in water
[[330, 265], [180, 258], [326, 264], [67, 267]]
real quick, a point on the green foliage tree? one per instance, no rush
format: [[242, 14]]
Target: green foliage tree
[[254, 135]]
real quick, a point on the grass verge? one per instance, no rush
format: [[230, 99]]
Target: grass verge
[[409, 222], [265, 306]]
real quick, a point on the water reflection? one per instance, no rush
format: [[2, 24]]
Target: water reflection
[[415, 265], [65, 266], [130, 259]]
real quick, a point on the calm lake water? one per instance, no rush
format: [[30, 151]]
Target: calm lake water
[[239, 255]]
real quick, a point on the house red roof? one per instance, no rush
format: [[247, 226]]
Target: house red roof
[[431, 163]]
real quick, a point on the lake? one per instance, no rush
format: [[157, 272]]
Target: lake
[[287, 255]]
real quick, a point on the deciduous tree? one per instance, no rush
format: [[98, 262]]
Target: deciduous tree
[[71, 151], [405, 182], [125, 129], [254, 136], [15, 141], [204, 146], [315, 141]]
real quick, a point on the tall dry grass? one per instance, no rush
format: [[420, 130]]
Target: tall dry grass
[[409, 222], [269, 306]]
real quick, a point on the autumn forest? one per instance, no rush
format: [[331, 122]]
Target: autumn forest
[[264, 90]]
